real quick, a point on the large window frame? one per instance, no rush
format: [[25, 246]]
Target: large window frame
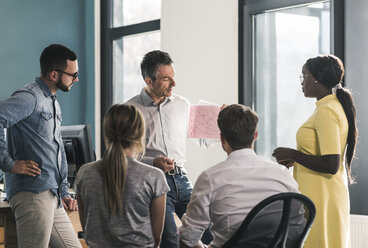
[[108, 35], [247, 11]]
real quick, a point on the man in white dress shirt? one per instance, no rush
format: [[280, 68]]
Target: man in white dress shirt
[[225, 193], [166, 117]]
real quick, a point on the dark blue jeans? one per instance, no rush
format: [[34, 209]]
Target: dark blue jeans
[[176, 202]]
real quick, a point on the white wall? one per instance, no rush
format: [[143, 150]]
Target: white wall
[[202, 38]]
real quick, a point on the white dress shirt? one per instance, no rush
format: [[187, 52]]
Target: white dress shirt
[[225, 193], [166, 126]]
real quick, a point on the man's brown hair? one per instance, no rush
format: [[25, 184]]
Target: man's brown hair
[[238, 125]]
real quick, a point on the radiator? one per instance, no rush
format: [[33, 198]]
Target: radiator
[[359, 231]]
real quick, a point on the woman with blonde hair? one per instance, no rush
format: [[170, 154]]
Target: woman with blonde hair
[[121, 200], [324, 142]]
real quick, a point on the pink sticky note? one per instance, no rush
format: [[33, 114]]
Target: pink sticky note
[[203, 122]]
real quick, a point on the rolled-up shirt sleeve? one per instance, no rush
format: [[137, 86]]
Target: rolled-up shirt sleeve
[[148, 160], [6, 162], [197, 217], [12, 110]]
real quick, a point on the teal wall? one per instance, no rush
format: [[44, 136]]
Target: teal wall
[[27, 27]]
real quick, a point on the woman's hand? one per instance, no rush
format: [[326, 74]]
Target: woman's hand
[[284, 156]]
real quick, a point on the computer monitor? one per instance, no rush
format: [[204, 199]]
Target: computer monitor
[[78, 148]]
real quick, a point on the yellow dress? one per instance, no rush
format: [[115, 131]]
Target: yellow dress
[[325, 132]]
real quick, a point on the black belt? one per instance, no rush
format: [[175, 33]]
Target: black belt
[[177, 171]]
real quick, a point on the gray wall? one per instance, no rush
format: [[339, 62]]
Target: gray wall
[[356, 63], [27, 27]]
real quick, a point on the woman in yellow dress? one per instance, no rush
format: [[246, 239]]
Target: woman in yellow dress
[[322, 141]]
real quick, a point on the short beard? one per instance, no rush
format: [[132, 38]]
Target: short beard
[[61, 86]]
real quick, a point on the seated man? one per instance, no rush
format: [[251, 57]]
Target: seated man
[[225, 193]]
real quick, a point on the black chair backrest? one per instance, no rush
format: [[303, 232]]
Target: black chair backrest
[[279, 221]]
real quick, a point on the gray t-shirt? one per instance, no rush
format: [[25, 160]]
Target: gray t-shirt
[[132, 228]]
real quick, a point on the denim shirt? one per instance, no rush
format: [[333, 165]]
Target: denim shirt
[[32, 117]]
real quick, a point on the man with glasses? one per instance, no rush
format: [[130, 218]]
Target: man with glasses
[[33, 157]]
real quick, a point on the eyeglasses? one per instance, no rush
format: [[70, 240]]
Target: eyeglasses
[[302, 77], [75, 75]]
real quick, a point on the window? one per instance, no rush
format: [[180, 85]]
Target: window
[[129, 29], [128, 52], [128, 12], [283, 38]]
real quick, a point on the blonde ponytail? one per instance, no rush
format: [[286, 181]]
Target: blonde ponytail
[[123, 128]]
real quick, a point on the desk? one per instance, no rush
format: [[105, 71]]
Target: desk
[[8, 222], [74, 219], [10, 231]]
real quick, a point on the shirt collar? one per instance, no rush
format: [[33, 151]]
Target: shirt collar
[[241, 152], [326, 98], [147, 100], [46, 90]]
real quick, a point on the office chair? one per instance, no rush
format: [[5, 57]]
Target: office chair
[[279, 221]]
